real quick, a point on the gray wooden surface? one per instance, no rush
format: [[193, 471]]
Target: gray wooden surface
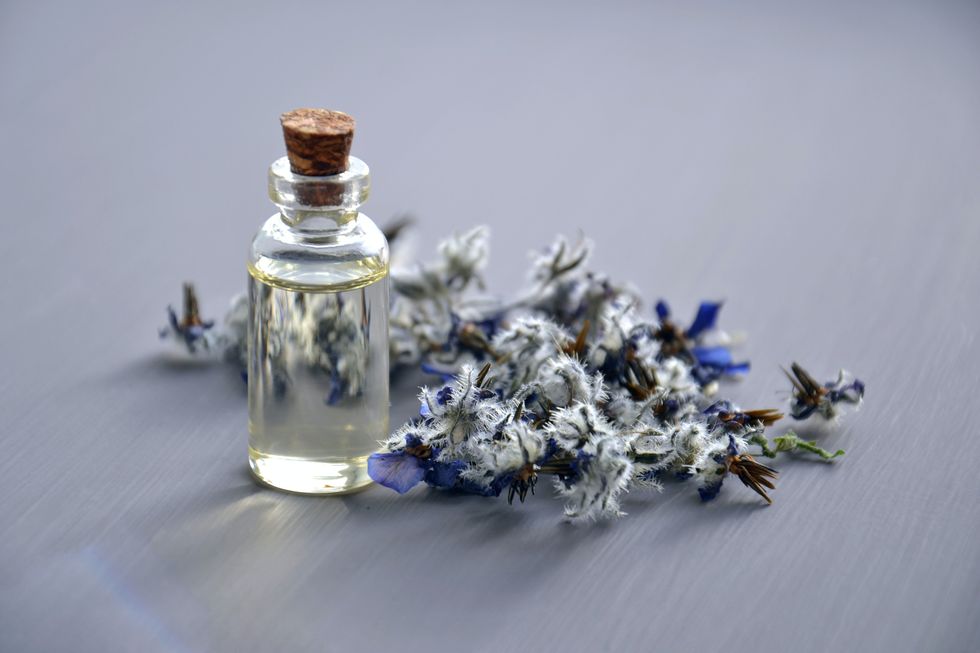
[[816, 165]]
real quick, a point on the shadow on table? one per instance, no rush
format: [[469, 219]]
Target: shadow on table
[[165, 375]]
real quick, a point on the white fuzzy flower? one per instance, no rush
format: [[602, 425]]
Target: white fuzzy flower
[[622, 408], [675, 376], [461, 410], [691, 446], [563, 381], [571, 427], [396, 441], [683, 449], [617, 321], [526, 345], [604, 472], [465, 255], [560, 260], [513, 448], [518, 445], [651, 440], [418, 283]]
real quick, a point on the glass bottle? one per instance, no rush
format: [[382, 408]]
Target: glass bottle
[[318, 333]]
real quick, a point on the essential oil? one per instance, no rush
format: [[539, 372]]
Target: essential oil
[[318, 316]]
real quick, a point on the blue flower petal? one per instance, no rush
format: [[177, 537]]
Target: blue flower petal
[[336, 392], [446, 373], [710, 490], [705, 319], [663, 311], [172, 318], [494, 489], [801, 410], [722, 406], [649, 475], [398, 471], [737, 368], [732, 448], [444, 474], [713, 356], [412, 440], [851, 392]]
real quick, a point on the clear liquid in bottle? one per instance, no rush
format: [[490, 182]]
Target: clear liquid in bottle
[[318, 384]]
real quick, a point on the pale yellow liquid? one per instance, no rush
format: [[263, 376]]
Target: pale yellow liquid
[[317, 381]]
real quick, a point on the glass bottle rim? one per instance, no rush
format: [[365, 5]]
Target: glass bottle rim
[[344, 192]]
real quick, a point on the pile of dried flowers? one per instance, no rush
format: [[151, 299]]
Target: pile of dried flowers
[[571, 379]]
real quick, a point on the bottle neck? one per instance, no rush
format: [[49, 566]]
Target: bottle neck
[[317, 221], [319, 205]]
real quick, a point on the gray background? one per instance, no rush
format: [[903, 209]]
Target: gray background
[[816, 165]]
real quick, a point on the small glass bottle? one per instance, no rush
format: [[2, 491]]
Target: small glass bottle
[[318, 316]]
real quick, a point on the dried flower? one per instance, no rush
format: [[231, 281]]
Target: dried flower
[[753, 474], [727, 414], [709, 362], [573, 379], [563, 381], [192, 331], [810, 397], [399, 471]]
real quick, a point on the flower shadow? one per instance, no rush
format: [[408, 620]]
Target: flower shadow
[[165, 367]]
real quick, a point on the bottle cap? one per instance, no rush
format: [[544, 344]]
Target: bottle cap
[[317, 141]]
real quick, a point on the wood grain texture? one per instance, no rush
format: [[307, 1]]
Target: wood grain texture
[[816, 166]]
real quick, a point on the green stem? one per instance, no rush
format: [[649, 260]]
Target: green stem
[[792, 442], [762, 441]]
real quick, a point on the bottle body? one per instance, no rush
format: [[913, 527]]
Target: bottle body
[[318, 349]]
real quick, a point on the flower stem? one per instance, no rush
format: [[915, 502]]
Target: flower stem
[[792, 442]]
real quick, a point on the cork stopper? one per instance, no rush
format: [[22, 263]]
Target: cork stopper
[[317, 141]]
